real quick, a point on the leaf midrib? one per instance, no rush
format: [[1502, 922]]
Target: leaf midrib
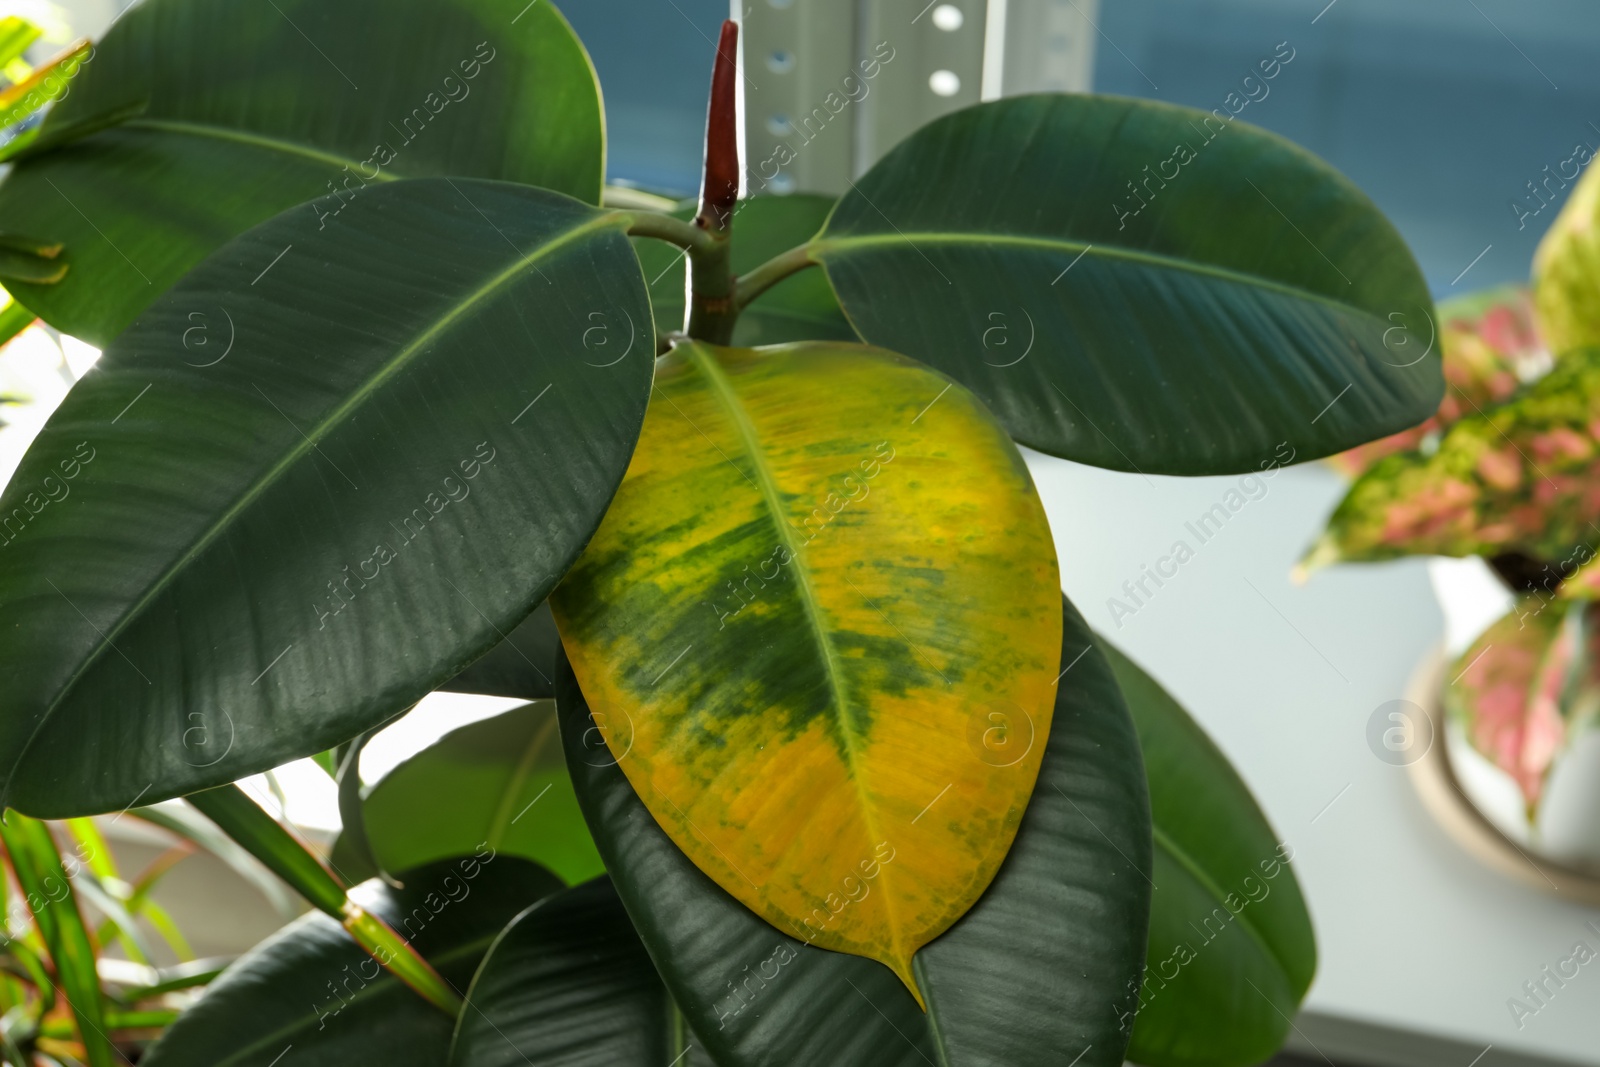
[[722, 389], [308, 441], [257, 140], [821, 246], [1190, 865]]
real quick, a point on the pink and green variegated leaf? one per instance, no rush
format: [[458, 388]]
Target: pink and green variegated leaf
[[1523, 478], [1491, 347], [1526, 687]]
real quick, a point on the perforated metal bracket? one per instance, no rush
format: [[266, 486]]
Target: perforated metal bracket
[[799, 58], [831, 85]]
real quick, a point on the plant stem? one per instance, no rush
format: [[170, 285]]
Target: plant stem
[[391, 950], [712, 310], [263, 837], [771, 273], [683, 234]]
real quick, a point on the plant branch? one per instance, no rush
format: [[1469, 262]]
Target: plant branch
[[770, 273], [712, 311], [264, 838], [666, 228]]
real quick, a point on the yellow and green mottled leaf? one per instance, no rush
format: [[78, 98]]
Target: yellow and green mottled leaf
[[1491, 347], [1523, 477], [1581, 576], [1566, 270], [825, 579]]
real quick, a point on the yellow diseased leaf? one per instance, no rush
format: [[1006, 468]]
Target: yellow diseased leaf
[[820, 628]]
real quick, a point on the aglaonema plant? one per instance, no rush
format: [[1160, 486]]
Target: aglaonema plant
[[396, 397], [1506, 471]]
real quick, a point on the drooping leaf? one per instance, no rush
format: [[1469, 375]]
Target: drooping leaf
[[1527, 687], [521, 665], [1566, 270], [48, 894], [1491, 347], [1520, 478], [1231, 947], [1182, 323], [310, 988], [501, 782], [1044, 967], [800, 308], [249, 110], [824, 564], [389, 446], [568, 984]]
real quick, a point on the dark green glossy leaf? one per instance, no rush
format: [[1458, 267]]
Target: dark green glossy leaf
[[521, 665], [800, 308], [1005, 244], [251, 109], [502, 781], [301, 494], [1231, 949], [568, 984], [1491, 347], [1044, 966], [310, 987]]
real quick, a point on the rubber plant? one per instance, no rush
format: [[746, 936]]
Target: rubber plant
[[396, 396], [1507, 470]]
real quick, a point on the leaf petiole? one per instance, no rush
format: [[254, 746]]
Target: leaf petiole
[[770, 273], [666, 228]]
